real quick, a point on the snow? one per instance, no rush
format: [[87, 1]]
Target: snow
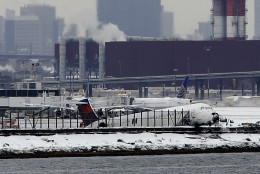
[[239, 115], [124, 142], [19, 144]]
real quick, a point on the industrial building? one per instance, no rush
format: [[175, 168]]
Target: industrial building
[[77, 55], [150, 58], [135, 58], [227, 51]]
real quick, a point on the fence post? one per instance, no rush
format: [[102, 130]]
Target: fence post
[[120, 115], [25, 122], [175, 117], [148, 119], [141, 118], [33, 120], [70, 118], [62, 118], [40, 120], [162, 117], [112, 124], [154, 124], [126, 118], [168, 118], [182, 117], [77, 115], [98, 120], [10, 120], [18, 120], [56, 121], [48, 118], [134, 119], [2, 122], [106, 115]]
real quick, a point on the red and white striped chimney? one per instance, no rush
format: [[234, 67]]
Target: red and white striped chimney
[[229, 19], [219, 14], [235, 11]]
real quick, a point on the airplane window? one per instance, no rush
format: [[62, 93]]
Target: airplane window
[[207, 108]]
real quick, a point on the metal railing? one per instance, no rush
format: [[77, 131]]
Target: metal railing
[[122, 119]]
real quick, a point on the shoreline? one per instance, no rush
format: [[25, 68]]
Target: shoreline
[[126, 153], [122, 144]]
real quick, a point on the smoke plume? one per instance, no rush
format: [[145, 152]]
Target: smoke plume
[[105, 33]]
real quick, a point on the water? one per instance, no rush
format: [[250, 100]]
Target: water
[[185, 163]]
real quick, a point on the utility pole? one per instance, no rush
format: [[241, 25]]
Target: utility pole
[[175, 70], [207, 51]]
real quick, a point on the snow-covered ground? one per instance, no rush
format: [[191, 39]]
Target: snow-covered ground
[[239, 115], [125, 142]]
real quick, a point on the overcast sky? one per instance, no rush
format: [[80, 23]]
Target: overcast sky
[[187, 13]]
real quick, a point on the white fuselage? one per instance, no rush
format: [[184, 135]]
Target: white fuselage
[[157, 103], [196, 114]]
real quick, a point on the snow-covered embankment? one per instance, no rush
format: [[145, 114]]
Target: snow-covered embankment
[[93, 143]]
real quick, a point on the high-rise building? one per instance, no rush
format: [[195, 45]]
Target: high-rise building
[[2, 31], [22, 35], [257, 20], [133, 17], [9, 13], [47, 17]]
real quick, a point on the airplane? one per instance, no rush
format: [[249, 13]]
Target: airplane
[[159, 103], [193, 115]]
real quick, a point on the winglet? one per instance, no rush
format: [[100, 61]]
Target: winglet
[[185, 82], [183, 89]]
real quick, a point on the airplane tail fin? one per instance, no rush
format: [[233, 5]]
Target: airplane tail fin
[[86, 112], [183, 89]]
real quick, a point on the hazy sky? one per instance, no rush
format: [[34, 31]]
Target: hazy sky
[[187, 13]]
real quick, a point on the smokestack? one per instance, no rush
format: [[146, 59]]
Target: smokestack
[[219, 19], [235, 19], [229, 19], [101, 61], [62, 58], [82, 58]]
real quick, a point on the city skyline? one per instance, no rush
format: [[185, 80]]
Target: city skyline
[[187, 13]]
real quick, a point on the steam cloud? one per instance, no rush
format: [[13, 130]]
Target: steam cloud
[[47, 68], [7, 67], [105, 33]]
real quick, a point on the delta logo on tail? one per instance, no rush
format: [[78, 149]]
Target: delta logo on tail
[[86, 113], [183, 89]]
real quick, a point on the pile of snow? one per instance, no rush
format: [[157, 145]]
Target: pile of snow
[[125, 142]]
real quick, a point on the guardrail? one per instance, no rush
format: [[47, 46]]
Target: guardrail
[[121, 119]]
